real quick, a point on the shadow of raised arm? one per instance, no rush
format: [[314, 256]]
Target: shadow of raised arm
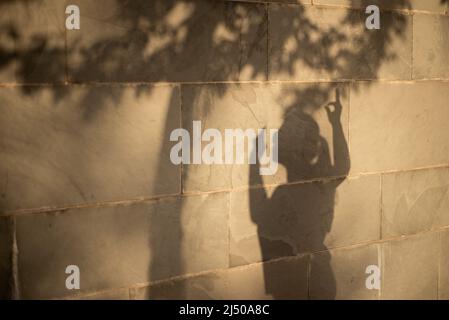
[[342, 163]]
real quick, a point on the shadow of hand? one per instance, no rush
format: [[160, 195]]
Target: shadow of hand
[[334, 114]]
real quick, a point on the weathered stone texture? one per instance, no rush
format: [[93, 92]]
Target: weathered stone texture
[[283, 279], [430, 46], [120, 246], [121, 294], [410, 268], [414, 201], [69, 145], [86, 176], [399, 126], [168, 41], [341, 274]]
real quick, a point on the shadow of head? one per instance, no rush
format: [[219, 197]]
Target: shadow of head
[[302, 149]]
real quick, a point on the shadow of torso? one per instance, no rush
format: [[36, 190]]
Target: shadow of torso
[[297, 217]]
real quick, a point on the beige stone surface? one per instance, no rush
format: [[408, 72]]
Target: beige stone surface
[[315, 43], [78, 144], [209, 286], [436, 6], [430, 46], [86, 117], [32, 41], [305, 144], [443, 273], [410, 268], [414, 201], [398, 126], [303, 218], [283, 279], [120, 246], [168, 41], [120, 294], [341, 274]]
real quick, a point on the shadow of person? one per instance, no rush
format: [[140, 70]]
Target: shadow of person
[[297, 217]]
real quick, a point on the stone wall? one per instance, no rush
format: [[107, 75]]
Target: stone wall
[[85, 171]]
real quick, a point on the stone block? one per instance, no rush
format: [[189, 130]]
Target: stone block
[[410, 268], [83, 144], [414, 201], [430, 46], [341, 274], [398, 126], [120, 246]]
